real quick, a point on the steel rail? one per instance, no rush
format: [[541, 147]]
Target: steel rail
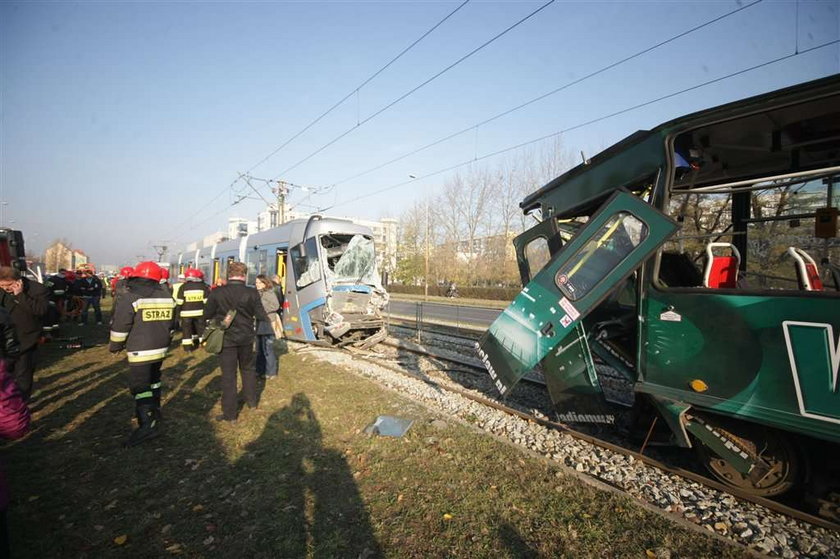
[[774, 506], [412, 324], [419, 350]]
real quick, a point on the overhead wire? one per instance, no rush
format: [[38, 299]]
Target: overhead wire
[[201, 209], [319, 118], [416, 88], [584, 124], [357, 88], [548, 94]]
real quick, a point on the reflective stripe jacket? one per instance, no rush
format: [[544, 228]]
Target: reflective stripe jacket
[[143, 317], [190, 299], [57, 286]]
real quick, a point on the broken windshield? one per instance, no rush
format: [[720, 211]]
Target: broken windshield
[[357, 263]]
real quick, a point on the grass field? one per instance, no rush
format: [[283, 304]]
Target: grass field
[[295, 478]]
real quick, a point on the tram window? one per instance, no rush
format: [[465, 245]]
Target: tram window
[[263, 262], [781, 215], [607, 248], [307, 268], [252, 264], [537, 255]]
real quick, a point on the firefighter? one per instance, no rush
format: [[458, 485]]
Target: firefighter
[[120, 281], [58, 293], [164, 280], [190, 299], [141, 325], [89, 287]]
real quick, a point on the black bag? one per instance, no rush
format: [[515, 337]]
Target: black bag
[[214, 334]]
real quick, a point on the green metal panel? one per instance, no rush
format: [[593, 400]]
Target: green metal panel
[[613, 243], [764, 357], [569, 368], [638, 156]]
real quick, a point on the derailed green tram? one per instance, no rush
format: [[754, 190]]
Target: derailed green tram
[[699, 260]]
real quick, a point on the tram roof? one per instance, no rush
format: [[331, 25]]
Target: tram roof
[[644, 152]]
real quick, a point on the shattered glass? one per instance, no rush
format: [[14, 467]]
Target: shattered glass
[[358, 263], [389, 426]]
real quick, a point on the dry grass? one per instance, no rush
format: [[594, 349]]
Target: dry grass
[[295, 478]]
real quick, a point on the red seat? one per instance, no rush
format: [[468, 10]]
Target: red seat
[[721, 271], [807, 273]]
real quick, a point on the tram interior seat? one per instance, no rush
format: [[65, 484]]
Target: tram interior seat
[[676, 269], [721, 270], [807, 273]]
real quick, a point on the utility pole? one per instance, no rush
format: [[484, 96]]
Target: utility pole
[[282, 190], [426, 282], [161, 249]]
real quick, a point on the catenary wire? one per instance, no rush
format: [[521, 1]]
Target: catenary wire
[[319, 118], [584, 124], [416, 88], [474, 126], [548, 94], [356, 90]]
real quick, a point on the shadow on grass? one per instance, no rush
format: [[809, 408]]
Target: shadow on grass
[[514, 544], [201, 489], [306, 494]]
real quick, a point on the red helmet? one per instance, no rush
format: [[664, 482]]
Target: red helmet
[[164, 274], [70, 275], [126, 272], [194, 273], [148, 270]]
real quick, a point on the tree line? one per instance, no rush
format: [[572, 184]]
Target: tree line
[[467, 228]]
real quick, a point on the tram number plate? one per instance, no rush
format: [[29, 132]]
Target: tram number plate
[[157, 314]]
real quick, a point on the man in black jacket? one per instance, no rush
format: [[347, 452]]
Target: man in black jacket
[[27, 303], [238, 348]]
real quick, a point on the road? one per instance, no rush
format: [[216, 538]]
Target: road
[[443, 313]]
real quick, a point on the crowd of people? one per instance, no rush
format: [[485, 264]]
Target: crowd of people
[[146, 314], [148, 311]]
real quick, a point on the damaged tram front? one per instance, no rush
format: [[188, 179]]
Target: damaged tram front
[[328, 270], [684, 283]]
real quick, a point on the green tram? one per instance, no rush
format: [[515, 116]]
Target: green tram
[[698, 260]]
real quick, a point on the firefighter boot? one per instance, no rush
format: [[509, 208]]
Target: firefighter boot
[[156, 399], [148, 423]]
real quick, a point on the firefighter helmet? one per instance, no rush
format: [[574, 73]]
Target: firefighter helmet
[[148, 270], [164, 275], [126, 272], [194, 273]]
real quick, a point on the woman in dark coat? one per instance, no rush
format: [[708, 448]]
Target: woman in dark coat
[[266, 358]]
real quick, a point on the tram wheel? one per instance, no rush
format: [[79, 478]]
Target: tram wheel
[[785, 461]]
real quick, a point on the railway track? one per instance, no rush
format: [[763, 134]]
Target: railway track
[[686, 474], [462, 364], [457, 332]]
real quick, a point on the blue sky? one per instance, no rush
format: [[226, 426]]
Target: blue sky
[[120, 120]]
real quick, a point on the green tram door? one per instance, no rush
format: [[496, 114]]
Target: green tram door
[[546, 314]]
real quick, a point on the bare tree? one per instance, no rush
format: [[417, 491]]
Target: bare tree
[[411, 244], [464, 210]]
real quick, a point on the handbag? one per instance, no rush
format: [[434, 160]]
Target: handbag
[[213, 339], [276, 325]]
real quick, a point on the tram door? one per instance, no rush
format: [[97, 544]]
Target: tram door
[[280, 266], [545, 315], [214, 276], [280, 270]]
